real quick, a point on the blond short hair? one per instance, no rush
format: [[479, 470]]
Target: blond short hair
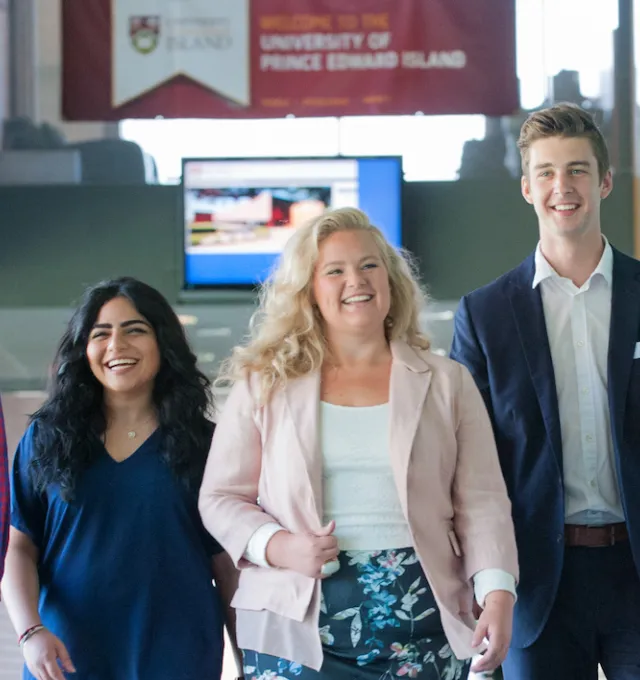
[[563, 120], [286, 336]]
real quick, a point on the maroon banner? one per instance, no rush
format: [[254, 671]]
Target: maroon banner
[[301, 57]]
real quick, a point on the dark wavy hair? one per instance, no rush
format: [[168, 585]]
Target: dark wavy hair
[[71, 422]]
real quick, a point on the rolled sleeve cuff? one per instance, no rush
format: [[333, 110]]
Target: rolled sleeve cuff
[[488, 580], [256, 551]]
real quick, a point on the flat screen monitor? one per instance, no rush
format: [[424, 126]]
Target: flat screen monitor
[[239, 213]]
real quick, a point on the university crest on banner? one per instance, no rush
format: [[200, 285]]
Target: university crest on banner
[[206, 41], [144, 33]]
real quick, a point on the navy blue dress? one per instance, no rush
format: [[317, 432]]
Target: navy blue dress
[[125, 569]]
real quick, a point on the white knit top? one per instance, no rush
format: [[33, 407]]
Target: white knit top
[[359, 490]]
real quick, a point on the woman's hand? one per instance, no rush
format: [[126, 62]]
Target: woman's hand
[[495, 625], [304, 553], [42, 652]]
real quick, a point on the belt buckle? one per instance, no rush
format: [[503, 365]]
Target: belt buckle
[[612, 534]]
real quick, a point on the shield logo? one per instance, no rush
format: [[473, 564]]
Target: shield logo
[[144, 33]]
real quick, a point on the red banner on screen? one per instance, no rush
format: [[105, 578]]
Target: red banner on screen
[[270, 58]]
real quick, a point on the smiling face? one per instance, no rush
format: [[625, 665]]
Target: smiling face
[[351, 284], [563, 185], [122, 349]]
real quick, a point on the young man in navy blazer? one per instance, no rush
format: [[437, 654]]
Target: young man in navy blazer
[[554, 346]]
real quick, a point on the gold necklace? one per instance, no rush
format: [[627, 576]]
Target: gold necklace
[[132, 434]]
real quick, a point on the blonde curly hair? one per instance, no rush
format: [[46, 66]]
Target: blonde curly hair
[[286, 338]]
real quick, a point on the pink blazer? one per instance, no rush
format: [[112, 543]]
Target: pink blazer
[[447, 475]]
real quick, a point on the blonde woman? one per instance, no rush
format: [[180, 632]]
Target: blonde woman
[[353, 477]]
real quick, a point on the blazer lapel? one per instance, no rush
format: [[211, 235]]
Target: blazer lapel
[[408, 387], [623, 335], [303, 401], [526, 304]]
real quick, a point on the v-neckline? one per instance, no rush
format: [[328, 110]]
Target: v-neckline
[[132, 454]]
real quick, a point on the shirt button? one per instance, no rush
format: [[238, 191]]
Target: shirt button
[[580, 343], [585, 390], [589, 438], [593, 483]]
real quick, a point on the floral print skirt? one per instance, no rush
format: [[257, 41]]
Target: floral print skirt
[[378, 621]]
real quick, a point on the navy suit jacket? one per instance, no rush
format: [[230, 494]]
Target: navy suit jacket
[[500, 335]]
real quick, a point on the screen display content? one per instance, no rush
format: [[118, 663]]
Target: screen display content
[[238, 214]]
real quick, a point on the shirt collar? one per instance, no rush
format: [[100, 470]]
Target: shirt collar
[[545, 271]]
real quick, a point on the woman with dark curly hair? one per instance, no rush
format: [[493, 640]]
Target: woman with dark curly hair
[[109, 570]]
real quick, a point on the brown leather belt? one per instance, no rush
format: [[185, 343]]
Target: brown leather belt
[[576, 535]]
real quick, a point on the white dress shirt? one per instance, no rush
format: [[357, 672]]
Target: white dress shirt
[[577, 321], [359, 492]]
